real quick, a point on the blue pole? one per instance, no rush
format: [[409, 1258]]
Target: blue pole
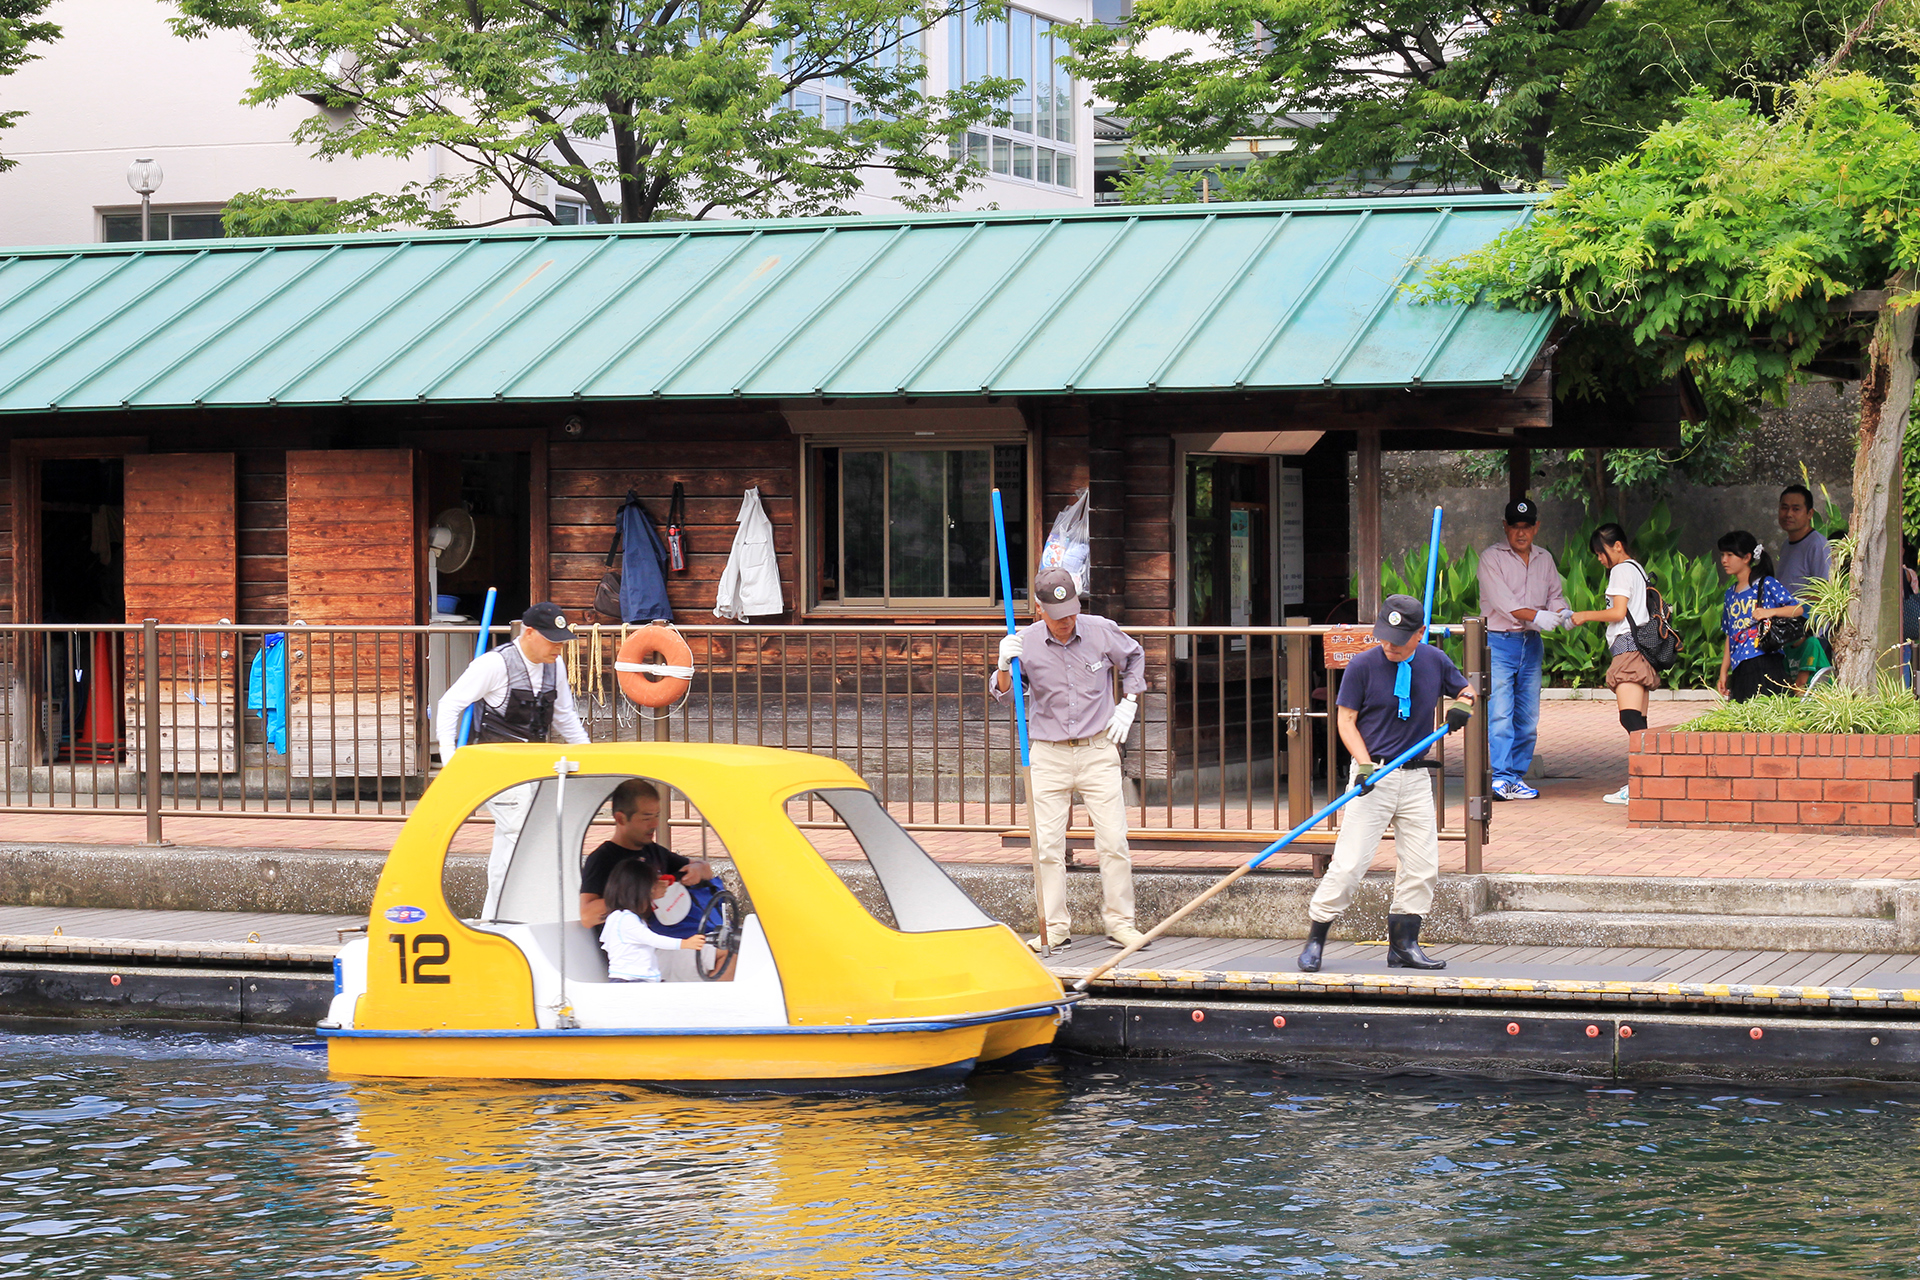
[[1433, 565], [1413, 752], [1006, 598], [1457, 718], [1020, 723], [479, 647]]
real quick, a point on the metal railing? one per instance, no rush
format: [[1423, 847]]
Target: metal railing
[[1234, 741]]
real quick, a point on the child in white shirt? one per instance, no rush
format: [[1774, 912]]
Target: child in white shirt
[[627, 939]]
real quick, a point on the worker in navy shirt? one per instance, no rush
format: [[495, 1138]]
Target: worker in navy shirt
[[1386, 706]]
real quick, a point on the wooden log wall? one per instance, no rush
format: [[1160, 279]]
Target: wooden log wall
[[716, 456], [262, 541]]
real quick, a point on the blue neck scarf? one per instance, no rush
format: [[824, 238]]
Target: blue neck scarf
[[1403, 686]]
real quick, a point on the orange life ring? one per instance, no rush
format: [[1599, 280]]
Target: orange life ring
[[655, 666]]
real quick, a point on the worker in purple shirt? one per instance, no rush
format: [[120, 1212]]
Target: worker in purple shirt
[[1067, 660], [1520, 597]]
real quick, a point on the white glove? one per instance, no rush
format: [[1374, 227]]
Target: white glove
[[1123, 715], [1566, 618], [1009, 650], [1546, 620]]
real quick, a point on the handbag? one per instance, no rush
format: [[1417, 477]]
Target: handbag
[[1780, 633], [606, 596], [676, 520]]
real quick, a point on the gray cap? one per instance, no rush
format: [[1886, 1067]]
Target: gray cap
[[1056, 593], [1400, 619]]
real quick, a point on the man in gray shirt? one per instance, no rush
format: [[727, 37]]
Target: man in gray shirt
[[1067, 661], [1803, 557]]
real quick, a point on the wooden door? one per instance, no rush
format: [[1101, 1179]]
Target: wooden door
[[181, 566], [353, 559]]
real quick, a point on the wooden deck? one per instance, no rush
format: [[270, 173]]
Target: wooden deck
[[1608, 975]]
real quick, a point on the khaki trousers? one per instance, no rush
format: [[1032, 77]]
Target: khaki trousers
[[1404, 799], [1092, 770]]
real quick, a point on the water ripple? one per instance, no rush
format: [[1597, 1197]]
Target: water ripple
[[173, 1153]]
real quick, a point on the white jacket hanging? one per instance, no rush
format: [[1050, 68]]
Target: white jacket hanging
[[750, 587]]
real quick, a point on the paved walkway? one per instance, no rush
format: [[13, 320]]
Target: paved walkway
[[1567, 831]]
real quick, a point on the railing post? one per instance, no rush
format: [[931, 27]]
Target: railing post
[[1299, 727], [150, 700], [1479, 795]]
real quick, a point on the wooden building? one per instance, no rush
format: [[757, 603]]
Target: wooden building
[[270, 425]]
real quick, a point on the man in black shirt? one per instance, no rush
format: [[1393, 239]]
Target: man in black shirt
[[1386, 706], [636, 816]]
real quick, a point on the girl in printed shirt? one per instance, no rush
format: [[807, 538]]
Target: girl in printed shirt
[[627, 937], [1755, 596]]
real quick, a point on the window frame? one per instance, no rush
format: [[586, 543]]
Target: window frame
[[962, 46], [163, 216], [810, 538], [828, 89]]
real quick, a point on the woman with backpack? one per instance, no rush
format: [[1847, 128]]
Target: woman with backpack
[[1629, 675], [1747, 668]]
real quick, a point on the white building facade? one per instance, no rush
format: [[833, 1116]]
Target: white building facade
[[120, 85]]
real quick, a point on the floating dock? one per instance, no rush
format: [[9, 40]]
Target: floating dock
[[1618, 1012]]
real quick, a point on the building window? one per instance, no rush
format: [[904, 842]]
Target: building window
[[119, 226], [573, 213], [1038, 143], [906, 526], [827, 98]]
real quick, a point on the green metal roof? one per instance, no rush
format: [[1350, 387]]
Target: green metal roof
[[1293, 295]]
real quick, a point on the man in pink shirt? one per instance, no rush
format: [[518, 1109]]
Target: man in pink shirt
[[1520, 597]]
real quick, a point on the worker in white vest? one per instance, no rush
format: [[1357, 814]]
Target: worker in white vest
[[522, 693]]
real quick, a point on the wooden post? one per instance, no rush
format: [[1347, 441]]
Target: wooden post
[[1519, 471], [1299, 728], [1367, 520], [1479, 794], [150, 704]]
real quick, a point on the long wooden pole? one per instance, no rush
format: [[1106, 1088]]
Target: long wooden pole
[[1020, 728], [1457, 718]]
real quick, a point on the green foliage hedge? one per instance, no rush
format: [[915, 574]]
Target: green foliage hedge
[[1831, 708], [1693, 586]]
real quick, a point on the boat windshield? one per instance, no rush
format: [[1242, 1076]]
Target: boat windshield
[[915, 895]]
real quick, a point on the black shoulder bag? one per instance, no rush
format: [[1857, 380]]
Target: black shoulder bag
[[1779, 633]]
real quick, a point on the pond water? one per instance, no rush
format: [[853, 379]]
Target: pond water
[[166, 1153]]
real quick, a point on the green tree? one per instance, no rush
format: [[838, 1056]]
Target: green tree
[[640, 111], [1473, 94], [21, 29], [1741, 249]]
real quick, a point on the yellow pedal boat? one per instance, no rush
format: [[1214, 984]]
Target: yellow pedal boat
[[822, 995]]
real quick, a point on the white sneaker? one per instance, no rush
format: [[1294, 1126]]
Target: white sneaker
[[1127, 936], [1616, 797]]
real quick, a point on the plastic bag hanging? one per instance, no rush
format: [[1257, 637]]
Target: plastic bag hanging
[[1067, 546]]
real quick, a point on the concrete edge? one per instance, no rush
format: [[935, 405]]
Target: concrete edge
[[1876, 915]]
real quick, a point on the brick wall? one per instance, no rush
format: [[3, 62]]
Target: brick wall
[[1858, 784]]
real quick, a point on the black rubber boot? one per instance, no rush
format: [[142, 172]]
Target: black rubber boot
[[1316, 943], [1403, 945]]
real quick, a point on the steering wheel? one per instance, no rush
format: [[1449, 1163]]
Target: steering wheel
[[721, 922]]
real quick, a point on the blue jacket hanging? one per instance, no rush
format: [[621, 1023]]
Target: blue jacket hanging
[[643, 566], [267, 688]]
